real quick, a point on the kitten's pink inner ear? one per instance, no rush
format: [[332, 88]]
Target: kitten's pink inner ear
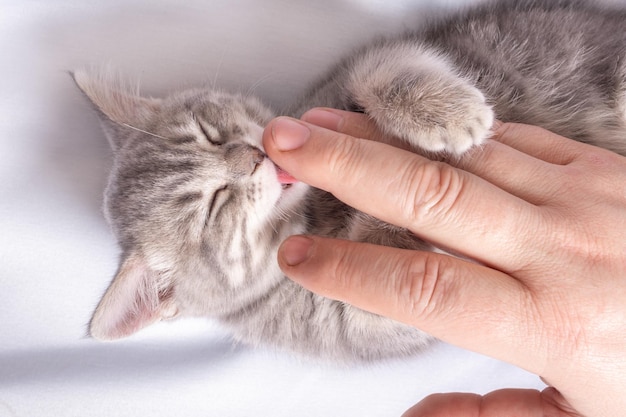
[[132, 301]]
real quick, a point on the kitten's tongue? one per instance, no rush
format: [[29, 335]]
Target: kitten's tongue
[[284, 177]]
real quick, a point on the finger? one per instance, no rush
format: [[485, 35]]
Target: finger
[[539, 143], [358, 125], [510, 169], [516, 162], [500, 403], [442, 204], [462, 303], [513, 171]]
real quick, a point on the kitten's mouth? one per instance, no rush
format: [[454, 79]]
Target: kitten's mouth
[[284, 178]]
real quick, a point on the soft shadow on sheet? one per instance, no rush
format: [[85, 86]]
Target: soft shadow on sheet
[[91, 361]]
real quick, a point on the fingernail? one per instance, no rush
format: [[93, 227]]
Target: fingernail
[[289, 134], [295, 250], [323, 118]]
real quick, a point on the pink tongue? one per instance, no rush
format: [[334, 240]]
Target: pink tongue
[[284, 177]]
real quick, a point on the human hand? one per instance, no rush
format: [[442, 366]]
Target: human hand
[[544, 216]]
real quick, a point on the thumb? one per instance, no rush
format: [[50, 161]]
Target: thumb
[[460, 302], [500, 403]]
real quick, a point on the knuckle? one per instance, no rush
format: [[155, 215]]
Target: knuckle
[[423, 285], [434, 189]]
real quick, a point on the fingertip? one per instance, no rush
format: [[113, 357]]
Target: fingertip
[[294, 251], [324, 117], [289, 134]]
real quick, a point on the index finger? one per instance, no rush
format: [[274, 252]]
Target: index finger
[[354, 124], [444, 205]]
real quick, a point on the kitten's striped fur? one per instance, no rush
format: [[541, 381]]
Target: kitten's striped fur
[[199, 212]]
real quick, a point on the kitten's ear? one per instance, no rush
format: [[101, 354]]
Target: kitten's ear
[[119, 105], [136, 298]]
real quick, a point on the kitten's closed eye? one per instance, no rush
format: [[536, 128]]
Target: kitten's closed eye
[[210, 133], [219, 198]]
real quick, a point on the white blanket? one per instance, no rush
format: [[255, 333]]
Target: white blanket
[[57, 254]]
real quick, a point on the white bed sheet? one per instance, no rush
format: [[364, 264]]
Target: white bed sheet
[[58, 255]]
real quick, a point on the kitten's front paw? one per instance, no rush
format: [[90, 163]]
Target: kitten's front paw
[[467, 123], [452, 121], [436, 116]]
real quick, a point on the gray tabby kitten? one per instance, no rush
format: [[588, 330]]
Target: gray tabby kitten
[[199, 210]]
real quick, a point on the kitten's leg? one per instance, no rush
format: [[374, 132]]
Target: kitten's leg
[[366, 228], [413, 92]]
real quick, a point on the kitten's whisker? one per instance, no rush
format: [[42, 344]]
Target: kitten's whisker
[[143, 131], [258, 82], [219, 68]]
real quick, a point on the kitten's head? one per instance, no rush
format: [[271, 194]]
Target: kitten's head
[[196, 205]]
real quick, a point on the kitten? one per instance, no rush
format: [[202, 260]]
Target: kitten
[[199, 210]]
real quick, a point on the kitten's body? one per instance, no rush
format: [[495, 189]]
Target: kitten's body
[[199, 211]]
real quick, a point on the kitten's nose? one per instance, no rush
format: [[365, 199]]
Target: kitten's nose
[[244, 159], [257, 156]]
